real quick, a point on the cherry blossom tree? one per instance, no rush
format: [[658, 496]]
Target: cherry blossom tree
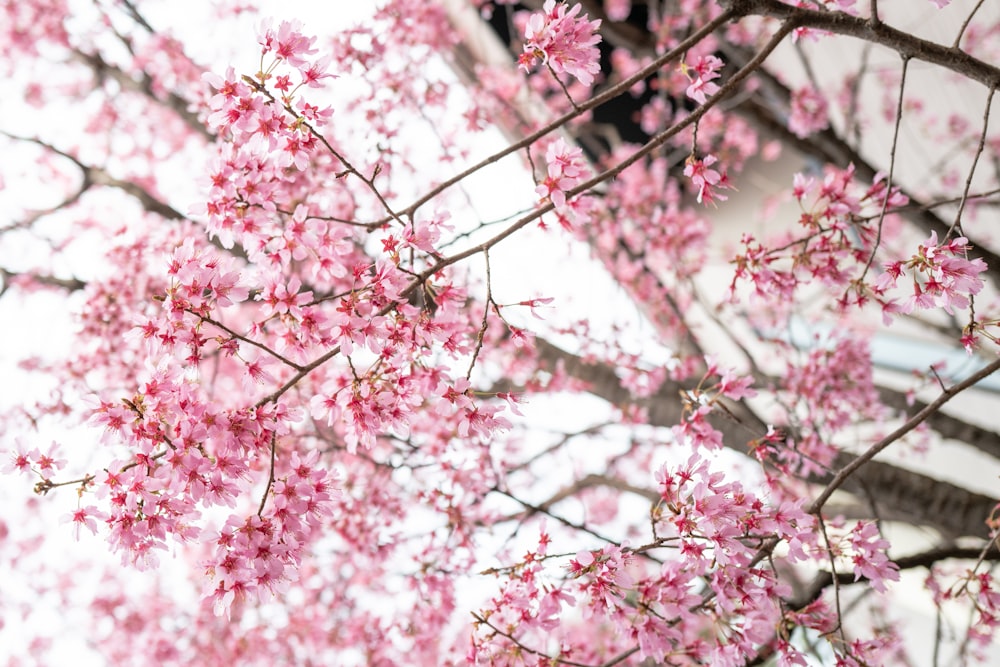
[[311, 413]]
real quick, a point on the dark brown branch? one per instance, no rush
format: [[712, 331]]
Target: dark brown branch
[[965, 24], [531, 509], [150, 203], [945, 425], [99, 176], [563, 121], [975, 160], [249, 341], [903, 43], [270, 476]]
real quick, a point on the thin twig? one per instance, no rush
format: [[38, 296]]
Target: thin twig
[[486, 316], [248, 341], [558, 123], [892, 170], [270, 476], [965, 24], [563, 86], [910, 424], [975, 161], [538, 509], [836, 580]]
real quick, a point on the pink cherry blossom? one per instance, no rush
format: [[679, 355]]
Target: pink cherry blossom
[[706, 180], [565, 168], [702, 73], [564, 40], [809, 112]]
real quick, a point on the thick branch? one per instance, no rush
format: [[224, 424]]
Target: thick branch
[[917, 419], [144, 86], [905, 44], [148, 201], [948, 427], [898, 494]]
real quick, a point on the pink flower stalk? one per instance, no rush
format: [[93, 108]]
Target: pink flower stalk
[[564, 41]]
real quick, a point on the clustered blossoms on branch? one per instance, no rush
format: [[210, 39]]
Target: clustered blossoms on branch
[[706, 180], [838, 223], [564, 41], [565, 168], [256, 557], [702, 74], [941, 277]]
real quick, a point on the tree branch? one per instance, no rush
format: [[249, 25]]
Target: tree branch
[[924, 559], [93, 175], [910, 424], [905, 44], [899, 494]]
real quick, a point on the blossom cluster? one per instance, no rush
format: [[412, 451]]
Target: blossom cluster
[[868, 555], [257, 556], [941, 276], [824, 400], [28, 460], [706, 179], [563, 40], [266, 135], [695, 429], [702, 74], [565, 169], [839, 223]]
